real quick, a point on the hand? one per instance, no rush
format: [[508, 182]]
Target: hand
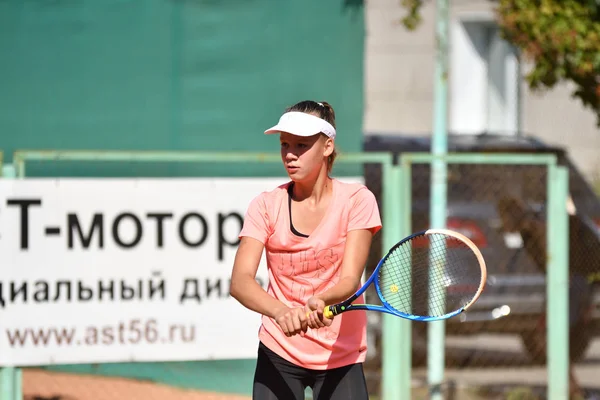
[[292, 321], [316, 319]]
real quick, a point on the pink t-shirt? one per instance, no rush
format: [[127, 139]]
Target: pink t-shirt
[[300, 267]]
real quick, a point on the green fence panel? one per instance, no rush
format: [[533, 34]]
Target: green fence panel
[[173, 75], [233, 376], [557, 263], [397, 209]]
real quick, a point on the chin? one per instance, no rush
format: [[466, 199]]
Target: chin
[[296, 177]]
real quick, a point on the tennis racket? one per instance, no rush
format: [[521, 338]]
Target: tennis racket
[[430, 275]]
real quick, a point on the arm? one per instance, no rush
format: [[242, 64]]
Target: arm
[[358, 243], [363, 223], [244, 287], [251, 295]]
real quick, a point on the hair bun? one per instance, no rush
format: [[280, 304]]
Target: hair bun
[[328, 108]]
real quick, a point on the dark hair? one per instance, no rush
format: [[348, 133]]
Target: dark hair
[[322, 110]]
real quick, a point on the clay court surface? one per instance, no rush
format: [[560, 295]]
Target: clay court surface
[[44, 385]]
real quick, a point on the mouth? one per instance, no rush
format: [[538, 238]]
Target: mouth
[[292, 168]]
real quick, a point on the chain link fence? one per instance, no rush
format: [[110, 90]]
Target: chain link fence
[[495, 349], [500, 346]]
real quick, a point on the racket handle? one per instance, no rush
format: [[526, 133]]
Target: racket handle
[[328, 312]]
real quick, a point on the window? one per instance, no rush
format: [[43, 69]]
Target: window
[[484, 79]]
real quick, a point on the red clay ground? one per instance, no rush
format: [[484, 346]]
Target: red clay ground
[[45, 385]]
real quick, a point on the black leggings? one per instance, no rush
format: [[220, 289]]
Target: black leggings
[[277, 379]]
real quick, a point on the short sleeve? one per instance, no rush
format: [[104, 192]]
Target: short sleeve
[[364, 213], [256, 220]]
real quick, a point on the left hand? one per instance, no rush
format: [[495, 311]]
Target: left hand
[[316, 319]]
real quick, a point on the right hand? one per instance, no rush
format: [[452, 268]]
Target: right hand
[[316, 319], [292, 321]]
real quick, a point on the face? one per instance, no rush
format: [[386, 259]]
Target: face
[[303, 157]]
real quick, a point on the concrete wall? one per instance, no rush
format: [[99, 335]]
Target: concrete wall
[[399, 68]]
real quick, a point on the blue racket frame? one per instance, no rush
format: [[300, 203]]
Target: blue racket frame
[[347, 305]]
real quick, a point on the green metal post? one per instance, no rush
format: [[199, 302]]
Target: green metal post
[[7, 383], [8, 171], [11, 387], [557, 287], [10, 377], [481, 158], [394, 364], [406, 325], [436, 330]]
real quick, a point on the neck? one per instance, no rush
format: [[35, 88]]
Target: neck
[[314, 189]]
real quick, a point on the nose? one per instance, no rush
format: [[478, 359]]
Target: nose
[[290, 156]]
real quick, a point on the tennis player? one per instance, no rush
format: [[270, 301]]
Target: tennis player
[[316, 231]]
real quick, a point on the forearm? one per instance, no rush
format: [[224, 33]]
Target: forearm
[[252, 296], [341, 291], [355, 257]]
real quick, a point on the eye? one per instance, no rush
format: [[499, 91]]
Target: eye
[[284, 145], [302, 145]]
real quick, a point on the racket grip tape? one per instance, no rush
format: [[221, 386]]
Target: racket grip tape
[[332, 311]]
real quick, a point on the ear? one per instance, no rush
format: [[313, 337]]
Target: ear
[[328, 148]]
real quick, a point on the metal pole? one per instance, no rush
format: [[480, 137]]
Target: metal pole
[[10, 377], [7, 383], [557, 288], [436, 330], [406, 325], [395, 381]]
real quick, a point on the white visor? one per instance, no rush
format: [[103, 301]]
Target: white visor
[[302, 124]]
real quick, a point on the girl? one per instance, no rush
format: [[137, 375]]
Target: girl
[[317, 232]]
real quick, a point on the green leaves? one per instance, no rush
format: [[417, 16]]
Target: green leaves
[[561, 38], [413, 17]]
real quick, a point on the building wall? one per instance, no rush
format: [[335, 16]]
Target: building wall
[[559, 119], [399, 70]]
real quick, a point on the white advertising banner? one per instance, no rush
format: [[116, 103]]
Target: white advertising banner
[[109, 270]]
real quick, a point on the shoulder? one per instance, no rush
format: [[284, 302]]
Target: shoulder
[[354, 191], [360, 205], [267, 198], [274, 194]]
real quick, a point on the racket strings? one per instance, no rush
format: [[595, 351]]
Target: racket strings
[[430, 275]]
